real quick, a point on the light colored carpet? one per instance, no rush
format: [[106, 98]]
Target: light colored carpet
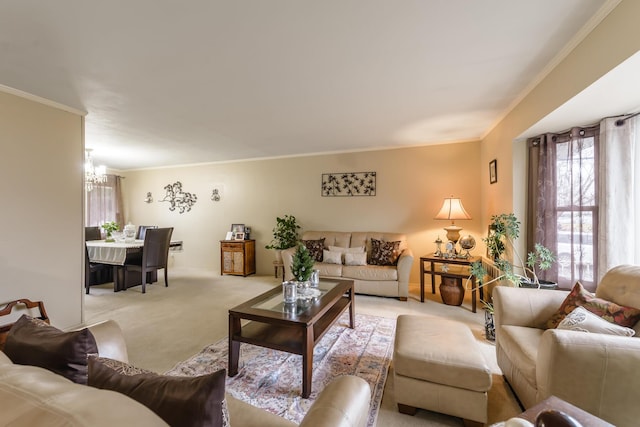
[[272, 379], [168, 325]]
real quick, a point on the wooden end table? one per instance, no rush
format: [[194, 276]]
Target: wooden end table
[[294, 329], [434, 261]]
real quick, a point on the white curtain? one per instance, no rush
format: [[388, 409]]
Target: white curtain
[[619, 194]]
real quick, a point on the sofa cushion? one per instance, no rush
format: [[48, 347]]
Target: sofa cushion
[[581, 319], [384, 253], [34, 342], [183, 401], [370, 272], [612, 312], [36, 397], [521, 344], [315, 248], [328, 270]]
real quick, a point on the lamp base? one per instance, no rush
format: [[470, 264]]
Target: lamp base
[[453, 233]]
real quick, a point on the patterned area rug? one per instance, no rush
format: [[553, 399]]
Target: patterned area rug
[[272, 379]]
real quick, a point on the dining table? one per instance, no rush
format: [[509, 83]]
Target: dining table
[[116, 254]]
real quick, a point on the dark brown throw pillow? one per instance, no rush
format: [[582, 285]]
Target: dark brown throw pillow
[[315, 248], [179, 401], [384, 253], [609, 311], [33, 342]]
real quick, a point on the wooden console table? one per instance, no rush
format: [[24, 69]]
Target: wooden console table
[[238, 257], [433, 261]]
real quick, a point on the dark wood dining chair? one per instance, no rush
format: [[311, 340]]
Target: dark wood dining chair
[[155, 254], [142, 230], [89, 268], [92, 233]]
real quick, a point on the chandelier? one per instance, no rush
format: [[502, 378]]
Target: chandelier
[[93, 175]]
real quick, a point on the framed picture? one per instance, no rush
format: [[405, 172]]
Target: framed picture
[[229, 235], [237, 228], [493, 171], [238, 236]]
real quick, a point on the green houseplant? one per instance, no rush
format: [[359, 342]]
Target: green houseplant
[[109, 227], [285, 235], [302, 264]]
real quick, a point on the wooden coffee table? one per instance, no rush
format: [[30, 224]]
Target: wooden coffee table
[[294, 328]]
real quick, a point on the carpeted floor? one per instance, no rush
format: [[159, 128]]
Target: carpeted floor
[[169, 325]]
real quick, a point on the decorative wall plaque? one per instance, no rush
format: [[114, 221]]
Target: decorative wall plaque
[[181, 200], [348, 184]]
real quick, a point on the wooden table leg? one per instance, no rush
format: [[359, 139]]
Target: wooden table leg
[[352, 309], [234, 346], [307, 361], [433, 278], [473, 294], [421, 281]]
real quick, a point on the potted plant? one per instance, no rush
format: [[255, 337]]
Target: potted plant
[[503, 231], [285, 235], [109, 227], [302, 264]]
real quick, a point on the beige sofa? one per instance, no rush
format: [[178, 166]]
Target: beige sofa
[[32, 396], [388, 281], [596, 372]]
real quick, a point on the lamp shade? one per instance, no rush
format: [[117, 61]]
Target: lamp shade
[[452, 209]]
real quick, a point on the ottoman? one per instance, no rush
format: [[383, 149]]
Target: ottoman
[[439, 366]]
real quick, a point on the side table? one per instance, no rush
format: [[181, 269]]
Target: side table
[[433, 261]]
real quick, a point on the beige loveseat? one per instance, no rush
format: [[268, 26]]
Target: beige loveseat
[[598, 373], [32, 396], [388, 281]]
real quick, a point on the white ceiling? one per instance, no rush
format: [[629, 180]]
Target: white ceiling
[[167, 82]]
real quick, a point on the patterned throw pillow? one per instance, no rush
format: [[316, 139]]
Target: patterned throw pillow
[[315, 248], [184, 401], [384, 253], [34, 342], [609, 311], [581, 319]]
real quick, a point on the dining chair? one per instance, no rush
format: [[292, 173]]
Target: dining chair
[[89, 268], [92, 233], [155, 254], [142, 229]]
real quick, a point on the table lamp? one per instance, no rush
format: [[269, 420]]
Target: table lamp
[[452, 209]]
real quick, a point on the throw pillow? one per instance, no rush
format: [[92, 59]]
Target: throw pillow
[[331, 257], [609, 311], [355, 258], [581, 319], [384, 253], [179, 401], [315, 248], [34, 342]]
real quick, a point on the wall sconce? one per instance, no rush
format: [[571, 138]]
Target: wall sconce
[[215, 195], [149, 197]]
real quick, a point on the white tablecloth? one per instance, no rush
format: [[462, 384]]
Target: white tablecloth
[[114, 253]]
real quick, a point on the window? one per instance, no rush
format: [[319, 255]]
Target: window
[[563, 203], [104, 203]]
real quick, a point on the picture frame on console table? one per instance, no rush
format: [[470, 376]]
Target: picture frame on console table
[[238, 236]]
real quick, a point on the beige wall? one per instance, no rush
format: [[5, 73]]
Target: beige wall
[[613, 41], [41, 186], [411, 184]]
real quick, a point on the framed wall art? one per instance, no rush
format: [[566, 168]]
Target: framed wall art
[[348, 184], [493, 171]]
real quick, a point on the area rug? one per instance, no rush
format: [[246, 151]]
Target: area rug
[[272, 379]]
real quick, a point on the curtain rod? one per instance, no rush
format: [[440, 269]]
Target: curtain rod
[[620, 122]]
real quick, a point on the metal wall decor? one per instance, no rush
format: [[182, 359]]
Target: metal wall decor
[[181, 200], [348, 184]]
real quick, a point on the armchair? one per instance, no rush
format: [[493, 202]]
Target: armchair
[[595, 372]]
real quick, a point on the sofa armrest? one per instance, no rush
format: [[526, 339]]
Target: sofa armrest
[[595, 372], [405, 262], [343, 403], [524, 306], [110, 340]]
